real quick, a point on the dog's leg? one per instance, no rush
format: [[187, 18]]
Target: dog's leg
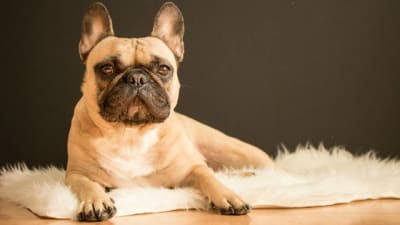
[[221, 198], [95, 204], [222, 151]]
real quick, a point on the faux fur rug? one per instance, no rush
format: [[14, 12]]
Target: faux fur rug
[[311, 177]]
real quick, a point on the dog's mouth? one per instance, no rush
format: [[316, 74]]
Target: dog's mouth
[[135, 106], [138, 112]]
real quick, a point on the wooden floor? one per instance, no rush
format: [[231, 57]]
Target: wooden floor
[[385, 212]]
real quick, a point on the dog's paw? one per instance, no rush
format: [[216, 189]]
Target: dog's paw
[[97, 209], [241, 210], [230, 205]]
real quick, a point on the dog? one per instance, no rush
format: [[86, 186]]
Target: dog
[[125, 131]]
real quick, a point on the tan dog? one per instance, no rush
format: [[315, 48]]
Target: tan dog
[[125, 131]]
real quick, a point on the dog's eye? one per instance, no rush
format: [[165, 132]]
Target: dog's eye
[[163, 70], [107, 69]]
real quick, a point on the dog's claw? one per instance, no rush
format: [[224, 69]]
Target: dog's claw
[[242, 210], [81, 216], [228, 211], [96, 211]]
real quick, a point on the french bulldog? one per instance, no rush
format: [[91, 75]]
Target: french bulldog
[[125, 131]]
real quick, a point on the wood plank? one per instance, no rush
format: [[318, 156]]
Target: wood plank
[[385, 211]]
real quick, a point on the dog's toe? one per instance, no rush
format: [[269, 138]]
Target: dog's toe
[[243, 209], [96, 210]]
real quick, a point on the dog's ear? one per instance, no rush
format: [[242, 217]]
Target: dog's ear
[[96, 25], [169, 27]]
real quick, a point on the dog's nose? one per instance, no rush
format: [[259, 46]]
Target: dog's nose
[[137, 79]]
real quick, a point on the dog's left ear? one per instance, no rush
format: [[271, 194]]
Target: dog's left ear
[[169, 27]]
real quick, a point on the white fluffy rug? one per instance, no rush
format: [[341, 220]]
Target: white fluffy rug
[[313, 177]]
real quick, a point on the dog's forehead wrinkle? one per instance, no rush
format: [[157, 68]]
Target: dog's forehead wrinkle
[[157, 58], [110, 58], [130, 51], [112, 46], [134, 44], [155, 45]]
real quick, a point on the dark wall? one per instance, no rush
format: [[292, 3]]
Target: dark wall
[[268, 72]]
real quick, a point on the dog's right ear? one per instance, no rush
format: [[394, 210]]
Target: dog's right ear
[[96, 25]]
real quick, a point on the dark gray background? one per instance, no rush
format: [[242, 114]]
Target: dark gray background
[[268, 72]]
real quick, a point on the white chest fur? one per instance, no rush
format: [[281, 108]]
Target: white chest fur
[[128, 155]]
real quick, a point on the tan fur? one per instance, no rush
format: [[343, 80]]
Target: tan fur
[[177, 152]]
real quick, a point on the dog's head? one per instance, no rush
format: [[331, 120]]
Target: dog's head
[[131, 80]]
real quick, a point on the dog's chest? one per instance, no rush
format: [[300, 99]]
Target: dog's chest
[[129, 155]]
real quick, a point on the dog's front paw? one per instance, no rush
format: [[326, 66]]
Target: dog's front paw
[[231, 210], [229, 204], [99, 209]]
